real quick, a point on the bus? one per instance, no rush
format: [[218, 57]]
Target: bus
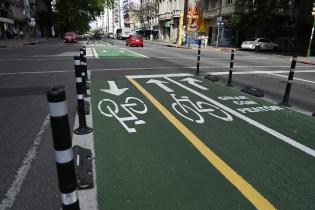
[[123, 33]]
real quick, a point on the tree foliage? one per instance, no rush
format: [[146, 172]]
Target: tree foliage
[[75, 15], [261, 16]]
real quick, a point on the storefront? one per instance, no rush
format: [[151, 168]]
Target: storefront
[[6, 28]]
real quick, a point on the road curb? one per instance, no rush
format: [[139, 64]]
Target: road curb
[[22, 44], [307, 62]]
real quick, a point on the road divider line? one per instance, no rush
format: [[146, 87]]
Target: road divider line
[[259, 201], [94, 53], [207, 58], [261, 72], [258, 125], [295, 78], [135, 53], [25, 166]]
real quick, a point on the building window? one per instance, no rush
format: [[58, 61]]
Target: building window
[[228, 2]]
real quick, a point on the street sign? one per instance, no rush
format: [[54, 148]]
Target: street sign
[[32, 22]]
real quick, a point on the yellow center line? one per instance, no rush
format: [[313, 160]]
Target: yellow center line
[[258, 200]]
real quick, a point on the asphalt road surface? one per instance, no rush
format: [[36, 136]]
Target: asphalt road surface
[[28, 174]]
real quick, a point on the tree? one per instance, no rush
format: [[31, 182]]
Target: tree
[[262, 18], [75, 15]]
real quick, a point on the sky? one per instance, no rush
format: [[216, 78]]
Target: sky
[[93, 25]]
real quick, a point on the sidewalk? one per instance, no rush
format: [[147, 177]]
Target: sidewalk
[[306, 60], [192, 46], [20, 42]]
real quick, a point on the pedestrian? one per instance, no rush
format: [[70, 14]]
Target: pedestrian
[[21, 34], [202, 40], [206, 40]]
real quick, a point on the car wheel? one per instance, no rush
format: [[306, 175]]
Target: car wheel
[[141, 45], [275, 48], [126, 44], [257, 48]]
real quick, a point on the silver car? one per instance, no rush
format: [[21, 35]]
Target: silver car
[[259, 44]]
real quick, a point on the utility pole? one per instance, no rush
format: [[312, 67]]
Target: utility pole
[[308, 54]]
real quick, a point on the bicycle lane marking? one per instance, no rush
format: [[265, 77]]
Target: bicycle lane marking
[[280, 172], [250, 121], [242, 185], [149, 168]]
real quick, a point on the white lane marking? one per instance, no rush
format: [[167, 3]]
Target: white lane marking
[[160, 84], [94, 53], [87, 198], [272, 132], [134, 53], [164, 68], [158, 75], [33, 59], [25, 166], [193, 82], [260, 72], [207, 58], [295, 78]]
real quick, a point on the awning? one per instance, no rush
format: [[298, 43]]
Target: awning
[[168, 24], [6, 20]]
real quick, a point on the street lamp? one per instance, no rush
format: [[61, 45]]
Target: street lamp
[[309, 46]]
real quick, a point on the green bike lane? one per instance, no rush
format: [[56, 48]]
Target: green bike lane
[[157, 168], [111, 52]]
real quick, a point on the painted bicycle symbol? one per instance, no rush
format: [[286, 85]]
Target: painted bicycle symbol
[[131, 106], [192, 111]]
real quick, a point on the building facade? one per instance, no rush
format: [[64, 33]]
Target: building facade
[[106, 22], [169, 15], [31, 17]]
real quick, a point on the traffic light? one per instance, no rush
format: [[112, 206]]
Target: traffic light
[[313, 10]]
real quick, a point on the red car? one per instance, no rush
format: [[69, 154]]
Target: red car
[[70, 37], [134, 40]]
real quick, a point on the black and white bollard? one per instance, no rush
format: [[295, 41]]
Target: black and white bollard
[[63, 149], [231, 69], [198, 58], [83, 128], [85, 64], [83, 72], [285, 101]]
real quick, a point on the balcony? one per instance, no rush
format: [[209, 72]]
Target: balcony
[[176, 14], [228, 10], [162, 16], [208, 14], [168, 15]]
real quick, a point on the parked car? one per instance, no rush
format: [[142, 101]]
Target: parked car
[[134, 40], [259, 44], [70, 37]]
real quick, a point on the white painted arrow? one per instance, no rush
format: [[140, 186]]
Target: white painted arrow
[[113, 89], [193, 82], [160, 84]]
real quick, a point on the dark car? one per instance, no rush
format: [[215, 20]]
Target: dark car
[[134, 40], [70, 37]]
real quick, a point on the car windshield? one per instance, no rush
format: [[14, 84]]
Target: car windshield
[[69, 34], [251, 40]]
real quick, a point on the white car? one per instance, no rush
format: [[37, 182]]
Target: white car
[[259, 44]]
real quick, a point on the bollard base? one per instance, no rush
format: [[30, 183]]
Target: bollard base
[[253, 91], [83, 130], [285, 104], [86, 95], [83, 167], [212, 78]]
